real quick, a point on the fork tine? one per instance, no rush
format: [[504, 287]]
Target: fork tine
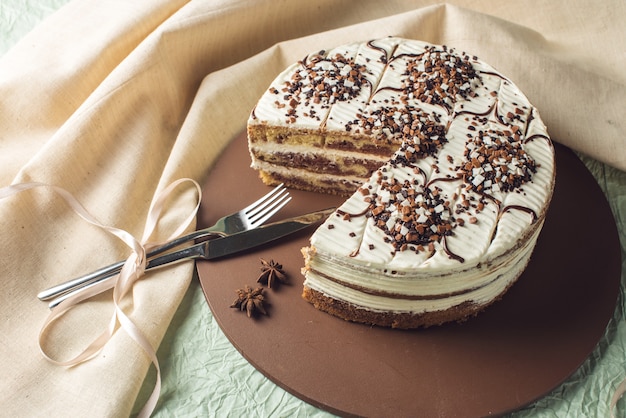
[[276, 206], [275, 190], [266, 203]]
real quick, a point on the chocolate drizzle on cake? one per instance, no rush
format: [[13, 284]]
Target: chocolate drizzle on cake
[[384, 58], [528, 210]]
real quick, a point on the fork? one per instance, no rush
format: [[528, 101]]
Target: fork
[[247, 218]]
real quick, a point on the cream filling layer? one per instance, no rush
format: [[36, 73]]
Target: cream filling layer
[[306, 174]]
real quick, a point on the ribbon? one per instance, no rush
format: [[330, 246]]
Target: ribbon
[[122, 284], [617, 394]]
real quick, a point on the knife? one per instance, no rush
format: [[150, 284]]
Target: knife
[[221, 247], [241, 241]]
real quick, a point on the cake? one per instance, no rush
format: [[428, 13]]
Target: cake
[[447, 169]]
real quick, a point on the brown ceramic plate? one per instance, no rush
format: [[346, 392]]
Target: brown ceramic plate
[[510, 355]]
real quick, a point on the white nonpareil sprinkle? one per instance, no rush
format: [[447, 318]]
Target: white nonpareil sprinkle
[[478, 180], [390, 223], [422, 218]]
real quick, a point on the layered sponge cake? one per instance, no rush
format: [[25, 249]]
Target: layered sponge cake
[[447, 168]]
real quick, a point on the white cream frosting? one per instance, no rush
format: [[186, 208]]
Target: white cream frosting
[[489, 242], [402, 292]]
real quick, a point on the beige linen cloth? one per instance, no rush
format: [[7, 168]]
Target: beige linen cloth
[[114, 100]]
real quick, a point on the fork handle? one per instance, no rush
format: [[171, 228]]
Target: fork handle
[[115, 268], [189, 253]]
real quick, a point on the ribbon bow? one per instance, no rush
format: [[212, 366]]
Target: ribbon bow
[[122, 284]]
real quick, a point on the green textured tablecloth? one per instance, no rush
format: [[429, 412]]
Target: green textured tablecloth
[[203, 375]]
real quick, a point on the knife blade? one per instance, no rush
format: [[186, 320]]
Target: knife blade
[[222, 247], [241, 241]]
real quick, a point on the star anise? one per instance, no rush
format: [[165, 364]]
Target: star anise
[[250, 300], [271, 273]]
